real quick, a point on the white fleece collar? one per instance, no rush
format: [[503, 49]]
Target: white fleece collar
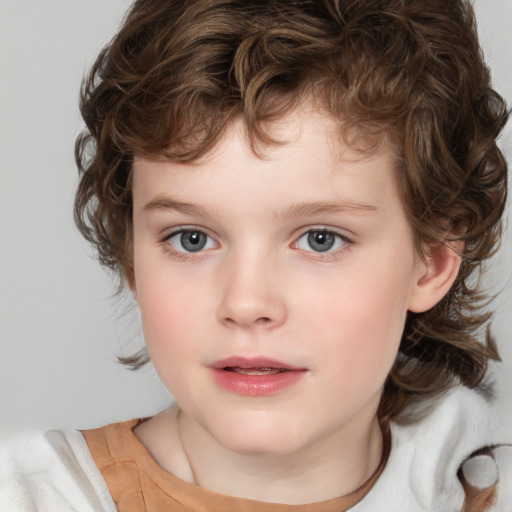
[[421, 473]]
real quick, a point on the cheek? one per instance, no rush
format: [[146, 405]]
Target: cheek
[[167, 328], [363, 316], [177, 310], [165, 307]]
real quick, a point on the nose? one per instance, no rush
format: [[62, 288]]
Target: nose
[[251, 293]]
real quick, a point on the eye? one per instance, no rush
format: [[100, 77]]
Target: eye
[[321, 240], [190, 240]]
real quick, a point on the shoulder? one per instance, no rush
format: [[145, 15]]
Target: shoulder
[[50, 470], [469, 435], [456, 456], [463, 435]]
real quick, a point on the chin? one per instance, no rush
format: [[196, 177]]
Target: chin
[[264, 447], [261, 438]]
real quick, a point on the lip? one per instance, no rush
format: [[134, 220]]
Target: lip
[[252, 362], [255, 385]]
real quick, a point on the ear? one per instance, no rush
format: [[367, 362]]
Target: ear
[[437, 272]]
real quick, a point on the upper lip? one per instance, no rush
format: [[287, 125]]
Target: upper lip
[[249, 362]]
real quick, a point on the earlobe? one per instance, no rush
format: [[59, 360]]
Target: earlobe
[[436, 275]]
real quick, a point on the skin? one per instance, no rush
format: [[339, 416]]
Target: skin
[[259, 289]]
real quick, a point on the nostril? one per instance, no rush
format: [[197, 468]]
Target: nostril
[[263, 320]]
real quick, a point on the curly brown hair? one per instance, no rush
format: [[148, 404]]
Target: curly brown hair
[[179, 71]]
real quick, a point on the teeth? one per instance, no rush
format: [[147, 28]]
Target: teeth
[[255, 371]]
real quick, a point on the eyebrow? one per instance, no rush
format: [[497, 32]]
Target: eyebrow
[[319, 208], [295, 210], [168, 203]]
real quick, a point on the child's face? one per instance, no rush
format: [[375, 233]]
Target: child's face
[[301, 261]]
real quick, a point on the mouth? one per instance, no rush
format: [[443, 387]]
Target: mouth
[[256, 376], [254, 371], [253, 366]]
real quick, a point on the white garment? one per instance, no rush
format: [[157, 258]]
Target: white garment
[[51, 472], [421, 473], [54, 471]]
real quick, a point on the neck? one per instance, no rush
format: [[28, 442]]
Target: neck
[[331, 467]]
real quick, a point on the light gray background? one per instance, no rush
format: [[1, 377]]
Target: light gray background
[[59, 326]]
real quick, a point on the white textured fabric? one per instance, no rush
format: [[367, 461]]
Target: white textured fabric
[[503, 456], [55, 471], [480, 471], [421, 473], [51, 472]]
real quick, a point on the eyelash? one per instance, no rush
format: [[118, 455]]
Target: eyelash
[[346, 243], [183, 255]]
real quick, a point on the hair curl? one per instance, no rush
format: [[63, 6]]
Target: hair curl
[[179, 71]]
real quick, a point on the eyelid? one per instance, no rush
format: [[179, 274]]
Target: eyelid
[[348, 242], [177, 230], [342, 233]]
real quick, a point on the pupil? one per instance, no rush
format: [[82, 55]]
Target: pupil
[[193, 240], [321, 241]]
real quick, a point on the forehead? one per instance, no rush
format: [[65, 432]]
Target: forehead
[[308, 125], [310, 159]]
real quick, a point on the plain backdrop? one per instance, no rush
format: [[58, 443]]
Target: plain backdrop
[[60, 327]]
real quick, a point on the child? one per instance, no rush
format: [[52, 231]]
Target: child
[[299, 195]]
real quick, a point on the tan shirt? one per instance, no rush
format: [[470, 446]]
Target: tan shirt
[[137, 483]]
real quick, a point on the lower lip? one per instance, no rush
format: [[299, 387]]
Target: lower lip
[[256, 385]]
